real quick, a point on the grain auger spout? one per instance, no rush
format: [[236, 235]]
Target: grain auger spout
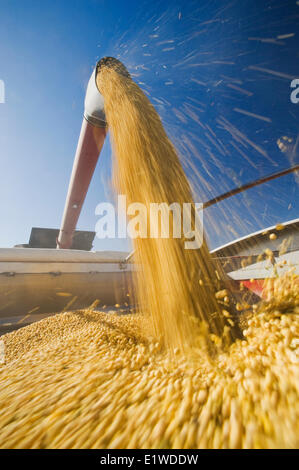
[[91, 141]]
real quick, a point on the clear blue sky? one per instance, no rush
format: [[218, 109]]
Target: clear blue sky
[[217, 72]]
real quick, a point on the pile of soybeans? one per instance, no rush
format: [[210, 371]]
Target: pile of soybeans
[[175, 375], [87, 379]]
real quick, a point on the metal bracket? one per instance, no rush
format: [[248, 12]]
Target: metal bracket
[[123, 265]]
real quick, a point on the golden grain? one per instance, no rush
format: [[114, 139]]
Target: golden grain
[[100, 383], [176, 286], [89, 379]]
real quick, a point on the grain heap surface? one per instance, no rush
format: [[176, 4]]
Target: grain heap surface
[[92, 380]]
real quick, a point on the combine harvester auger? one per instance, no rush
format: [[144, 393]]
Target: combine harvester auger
[[37, 279], [57, 271]]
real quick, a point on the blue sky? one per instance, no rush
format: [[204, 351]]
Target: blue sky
[[217, 72]]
